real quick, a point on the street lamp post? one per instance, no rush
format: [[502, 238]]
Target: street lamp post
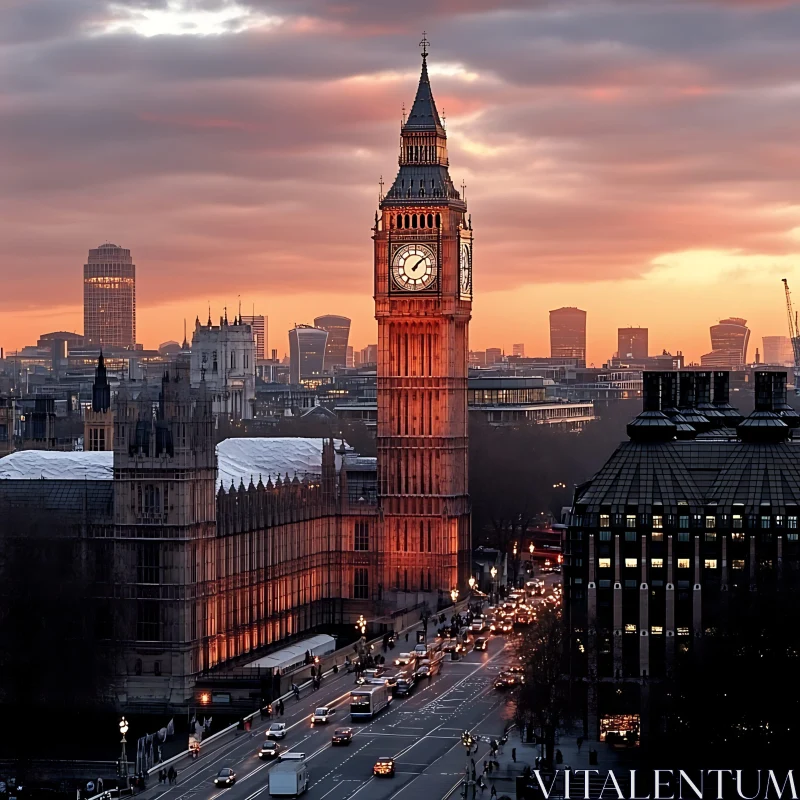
[[467, 740], [361, 627], [493, 573], [123, 766], [531, 549]]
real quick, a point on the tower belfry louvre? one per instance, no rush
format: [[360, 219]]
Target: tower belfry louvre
[[423, 304]]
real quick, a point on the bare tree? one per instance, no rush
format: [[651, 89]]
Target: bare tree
[[543, 700]]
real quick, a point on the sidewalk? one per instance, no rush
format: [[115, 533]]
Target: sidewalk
[[505, 779]]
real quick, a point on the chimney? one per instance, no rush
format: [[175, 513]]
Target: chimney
[[687, 389], [721, 381], [702, 395], [764, 426], [652, 425]]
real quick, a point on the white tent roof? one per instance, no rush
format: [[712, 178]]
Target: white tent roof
[[57, 465], [240, 459], [295, 653]]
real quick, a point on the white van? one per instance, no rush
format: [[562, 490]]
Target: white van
[[288, 779], [292, 756]]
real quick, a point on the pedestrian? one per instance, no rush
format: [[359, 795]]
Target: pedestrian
[[580, 742], [280, 707], [514, 754], [172, 775], [485, 766], [559, 757], [494, 791]]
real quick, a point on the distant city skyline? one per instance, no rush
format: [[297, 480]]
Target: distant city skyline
[[214, 196]]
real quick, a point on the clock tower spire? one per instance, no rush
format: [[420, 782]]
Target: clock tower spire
[[423, 304]]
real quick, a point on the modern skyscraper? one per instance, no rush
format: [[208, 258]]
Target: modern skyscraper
[[351, 360], [338, 329], [632, 343], [260, 326], [109, 297], [423, 303], [369, 354], [306, 355], [518, 350], [778, 350], [568, 334], [729, 340], [493, 355]]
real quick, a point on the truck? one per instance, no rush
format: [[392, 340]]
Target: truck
[[288, 779]]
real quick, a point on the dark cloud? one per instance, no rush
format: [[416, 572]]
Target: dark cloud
[[594, 137]]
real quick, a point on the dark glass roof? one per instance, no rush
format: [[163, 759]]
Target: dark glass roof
[[697, 472]]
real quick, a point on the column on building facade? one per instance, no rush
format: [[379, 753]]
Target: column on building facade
[[617, 634], [669, 599], [644, 615], [697, 593], [780, 559], [752, 544], [593, 721]]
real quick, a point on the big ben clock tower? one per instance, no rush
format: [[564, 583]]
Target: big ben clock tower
[[423, 303]]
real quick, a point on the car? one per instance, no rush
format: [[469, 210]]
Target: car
[[403, 659], [225, 777], [322, 714], [277, 730], [384, 767], [506, 627], [476, 626], [480, 643], [342, 736], [269, 749]]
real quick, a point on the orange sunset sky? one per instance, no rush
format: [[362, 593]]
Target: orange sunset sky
[[637, 158]]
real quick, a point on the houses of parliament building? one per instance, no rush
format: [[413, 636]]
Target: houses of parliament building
[[201, 553]]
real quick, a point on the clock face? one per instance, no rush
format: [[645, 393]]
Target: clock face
[[465, 268], [414, 267]]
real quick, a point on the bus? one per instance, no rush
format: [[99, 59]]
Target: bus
[[369, 700]]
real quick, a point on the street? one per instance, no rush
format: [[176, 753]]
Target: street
[[422, 732]]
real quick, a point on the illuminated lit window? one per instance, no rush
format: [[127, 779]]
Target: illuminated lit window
[[657, 536], [791, 522], [737, 521], [656, 630], [630, 521], [710, 563], [711, 536], [604, 563], [683, 631], [658, 522], [765, 522], [631, 562], [683, 563], [779, 521], [791, 537], [656, 563], [737, 563], [683, 536], [683, 522], [605, 520], [737, 537], [630, 627]]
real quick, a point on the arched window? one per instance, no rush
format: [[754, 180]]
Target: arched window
[[414, 221], [438, 220], [421, 217], [399, 220], [407, 224], [430, 220]]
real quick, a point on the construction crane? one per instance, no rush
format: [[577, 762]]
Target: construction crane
[[793, 336]]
